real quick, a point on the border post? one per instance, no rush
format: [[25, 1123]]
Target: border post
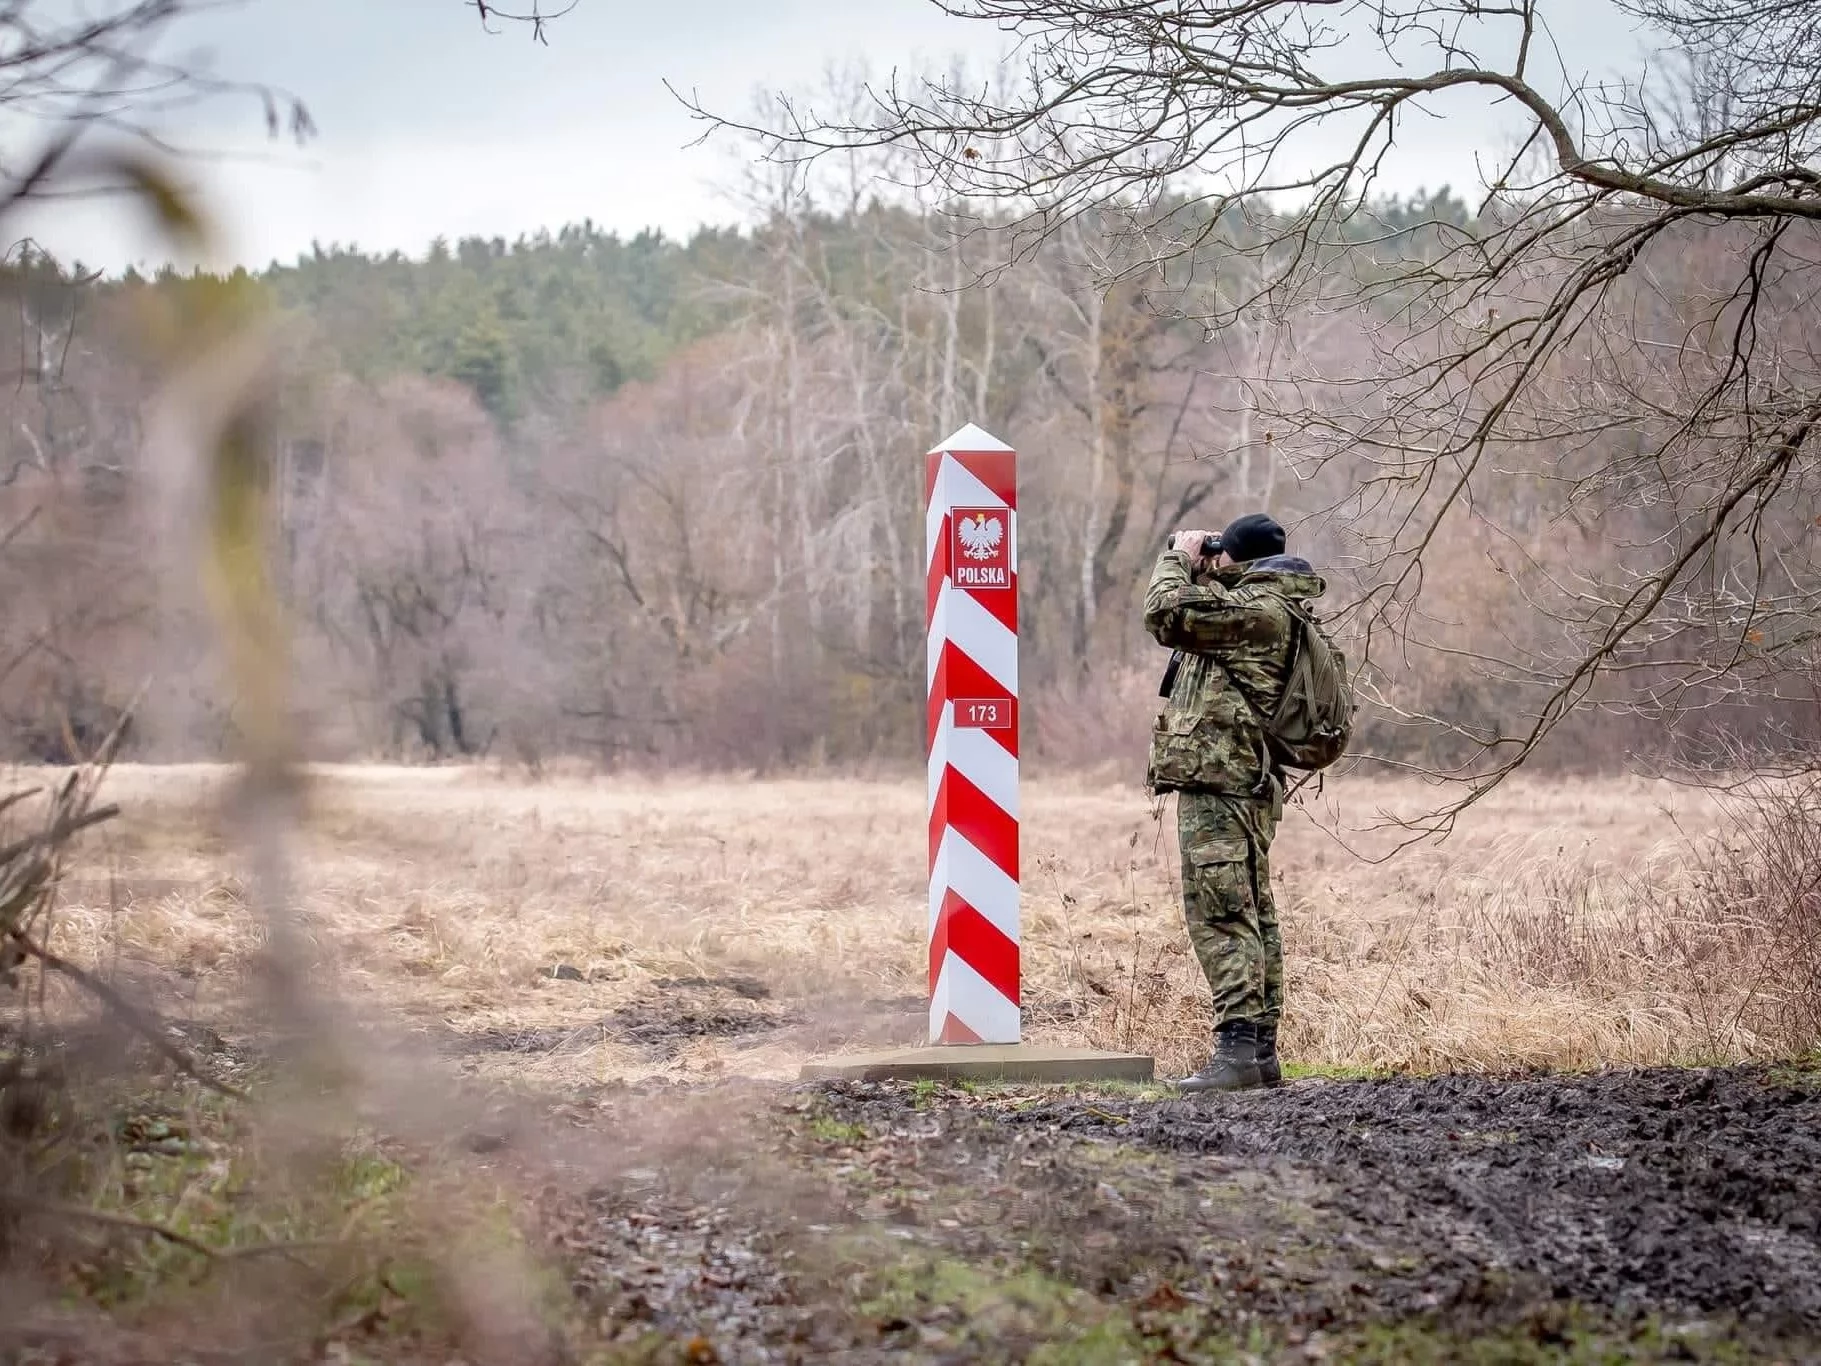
[[971, 526]]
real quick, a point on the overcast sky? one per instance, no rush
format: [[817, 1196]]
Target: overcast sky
[[431, 126]]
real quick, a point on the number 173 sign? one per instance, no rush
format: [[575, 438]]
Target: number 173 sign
[[983, 713]]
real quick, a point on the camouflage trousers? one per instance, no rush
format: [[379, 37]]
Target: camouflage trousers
[[1226, 892]]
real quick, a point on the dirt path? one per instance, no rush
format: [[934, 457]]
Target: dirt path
[[1648, 1216]]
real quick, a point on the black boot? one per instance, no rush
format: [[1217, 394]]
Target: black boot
[[1234, 1066], [1269, 1070]]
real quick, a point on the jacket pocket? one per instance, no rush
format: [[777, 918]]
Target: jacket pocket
[[1175, 760], [1217, 849]]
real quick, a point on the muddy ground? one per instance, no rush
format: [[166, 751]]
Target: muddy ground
[[1666, 1215]]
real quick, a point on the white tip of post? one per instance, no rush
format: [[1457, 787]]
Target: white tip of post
[[970, 438]]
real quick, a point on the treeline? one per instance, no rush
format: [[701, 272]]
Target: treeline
[[648, 501]]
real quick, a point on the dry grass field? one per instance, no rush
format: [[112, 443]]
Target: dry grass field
[[559, 1130], [579, 929]]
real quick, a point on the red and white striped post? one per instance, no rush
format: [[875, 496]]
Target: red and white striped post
[[971, 521]]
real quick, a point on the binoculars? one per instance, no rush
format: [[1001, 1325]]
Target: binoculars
[[1210, 545]]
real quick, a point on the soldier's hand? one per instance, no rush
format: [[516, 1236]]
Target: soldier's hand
[[1189, 543]]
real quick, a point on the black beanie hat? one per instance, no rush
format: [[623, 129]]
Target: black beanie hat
[[1252, 537]]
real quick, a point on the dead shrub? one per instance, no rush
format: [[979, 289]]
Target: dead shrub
[[1762, 882]]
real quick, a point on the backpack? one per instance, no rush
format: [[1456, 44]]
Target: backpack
[[1313, 720]]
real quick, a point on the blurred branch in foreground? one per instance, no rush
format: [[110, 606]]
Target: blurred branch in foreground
[[69, 1218], [74, 75]]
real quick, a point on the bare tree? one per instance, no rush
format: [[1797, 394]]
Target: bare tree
[[408, 534], [1258, 130], [537, 17]]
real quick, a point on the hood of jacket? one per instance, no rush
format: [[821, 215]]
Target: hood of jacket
[[1290, 575]]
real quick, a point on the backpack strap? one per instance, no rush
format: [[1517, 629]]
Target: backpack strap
[[1299, 623]]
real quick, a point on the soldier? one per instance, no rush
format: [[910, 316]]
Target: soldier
[[1226, 615]]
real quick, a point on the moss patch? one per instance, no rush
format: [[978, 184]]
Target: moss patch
[[1566, 1335], [944, 1306]]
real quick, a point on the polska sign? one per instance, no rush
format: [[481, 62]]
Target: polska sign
[[980, 555]]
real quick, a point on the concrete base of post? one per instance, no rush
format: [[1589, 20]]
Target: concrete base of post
[[983, 1062]]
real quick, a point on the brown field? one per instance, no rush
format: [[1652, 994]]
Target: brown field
[[735, 926], [583, 1149]]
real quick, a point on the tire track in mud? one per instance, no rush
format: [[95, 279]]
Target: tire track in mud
[[1672, 1190], [1471, 1208]]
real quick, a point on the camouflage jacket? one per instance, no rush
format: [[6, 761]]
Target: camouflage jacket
[[1233, 627]]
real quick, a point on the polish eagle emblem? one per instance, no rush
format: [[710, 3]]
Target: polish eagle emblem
[[980, 536]]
